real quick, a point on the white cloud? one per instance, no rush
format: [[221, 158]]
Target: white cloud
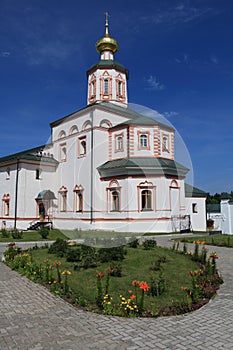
[[170, 114], [5, 54], [154, 84]]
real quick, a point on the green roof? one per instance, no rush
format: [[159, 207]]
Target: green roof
[[142, 166], [33, 154], [213, 208], [108, 64], [191, 191], [46, 194]]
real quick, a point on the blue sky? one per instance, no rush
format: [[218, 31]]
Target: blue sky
[[180, 60]]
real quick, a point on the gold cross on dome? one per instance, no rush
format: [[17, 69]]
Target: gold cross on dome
[[107, 16]]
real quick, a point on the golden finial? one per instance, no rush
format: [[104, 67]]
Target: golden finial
[[107, 43]]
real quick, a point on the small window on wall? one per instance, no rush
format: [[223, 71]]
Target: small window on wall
[[115, 205], [78, 198], [8, 173], [165, 143], [146, 200], [105, 86], [6, 205], [37, 174], [143, 140], [120, 88], [63, 152], [63, 198], [119, 143], [194, 207], [82, 146]]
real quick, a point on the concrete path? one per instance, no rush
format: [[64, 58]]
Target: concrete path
[[33, 319]]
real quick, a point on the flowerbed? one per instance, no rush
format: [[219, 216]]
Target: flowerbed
[[127, 281]]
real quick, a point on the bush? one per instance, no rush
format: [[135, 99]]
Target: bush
[[115, 269], [88, 256], [134, 243], [59, 247], [149, 244], [5, 233], [110, 254], [16, 234], [73, 254], [44, 232]]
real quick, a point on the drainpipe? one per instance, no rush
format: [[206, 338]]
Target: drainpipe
[[92, 168], [16, 191]]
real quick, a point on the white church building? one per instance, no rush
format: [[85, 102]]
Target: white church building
[[107, 167]]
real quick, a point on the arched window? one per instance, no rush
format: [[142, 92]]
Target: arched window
[[115, 201], [146, 200], [78, 198], [63, 198], [63, 153], [114, 196], [143, 141], [82, 146], [73, 129], [146, 196], [61, 134], [6, 204], [105, 86]]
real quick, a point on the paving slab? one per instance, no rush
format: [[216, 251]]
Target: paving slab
[[31, 318]]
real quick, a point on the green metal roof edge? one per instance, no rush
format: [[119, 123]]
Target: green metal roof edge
[[191, 191], [109, 63], [26, 154]]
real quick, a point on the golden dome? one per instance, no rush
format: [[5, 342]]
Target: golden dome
[[106, 43]]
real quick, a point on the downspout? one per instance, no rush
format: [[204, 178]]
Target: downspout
[[92, 168], [16, 191]]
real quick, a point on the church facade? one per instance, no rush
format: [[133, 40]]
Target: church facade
[[107, 167]]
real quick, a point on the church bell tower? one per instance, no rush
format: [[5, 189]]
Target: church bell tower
[[107, 79]]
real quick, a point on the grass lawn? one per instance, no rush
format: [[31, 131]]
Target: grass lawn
[[221, 240], [137, 265], [34, 236]]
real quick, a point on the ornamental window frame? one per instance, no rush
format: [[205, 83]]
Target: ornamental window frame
[[63, 191], [165, 143], [82, 146], [114, 197], [119, 142], [78, 199], [143, 140], [63, 152], [146, 197], [6, 204]]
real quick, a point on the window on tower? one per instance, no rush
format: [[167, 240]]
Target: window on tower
[[105, 86], [120, 88]]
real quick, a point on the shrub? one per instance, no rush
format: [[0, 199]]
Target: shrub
[[110, 254], [5, 233], [115, 269], [149, 244], [44, 232], [73, 254], [134, 243], [59, 247], [16, 234]]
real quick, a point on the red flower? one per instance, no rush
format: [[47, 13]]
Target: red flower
[[99, 274], [57, 263], [144, 286], [132, 297], [135, 283]]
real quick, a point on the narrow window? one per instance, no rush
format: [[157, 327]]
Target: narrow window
[[119, 143], [6, 205], [146, 200], [8, 173], [63, 201], [92, 88], [79, 199], [120, 87], [194, 207], [105, 86], [63, 153], [82, 147], [143, 141], [37, 174], [115, 201], [165, 147]]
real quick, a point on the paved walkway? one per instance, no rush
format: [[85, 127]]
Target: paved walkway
[[33, 319]]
